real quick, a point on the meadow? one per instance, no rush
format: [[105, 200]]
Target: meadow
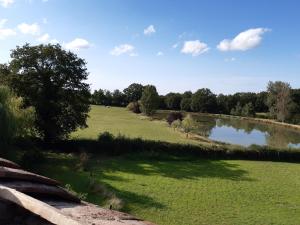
[[175, 190]]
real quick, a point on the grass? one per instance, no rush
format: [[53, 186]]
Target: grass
[[178, 191], [170, 192], [121, 121]]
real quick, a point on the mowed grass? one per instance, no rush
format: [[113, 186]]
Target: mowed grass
[[191, 192], [118, 120]]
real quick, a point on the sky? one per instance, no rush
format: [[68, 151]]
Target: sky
[[177, 45]]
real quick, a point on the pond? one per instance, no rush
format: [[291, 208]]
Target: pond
[[246, 133]]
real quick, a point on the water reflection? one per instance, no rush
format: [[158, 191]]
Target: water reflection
[[245, 132]]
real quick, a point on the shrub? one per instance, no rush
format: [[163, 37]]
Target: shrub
[[134, 107], [15, 121], [174, 116], [176, 124], [188, 124]]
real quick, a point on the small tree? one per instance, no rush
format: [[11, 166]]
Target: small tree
[[174, 116], [134, 107], [188, 124], [237, 111], [149, 100], [133, 92], [176, 124], [248, 110]]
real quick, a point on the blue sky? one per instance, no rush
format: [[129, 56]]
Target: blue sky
[[227, 46]]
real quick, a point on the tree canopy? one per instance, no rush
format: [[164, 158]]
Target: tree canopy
[[149, 100], [52, 80]]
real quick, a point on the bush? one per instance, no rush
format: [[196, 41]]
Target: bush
[[176, 124], [174, 116], [134, 107], [15, 121]]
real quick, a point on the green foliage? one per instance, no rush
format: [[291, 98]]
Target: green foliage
[[32, 158], [173, 101], [237, 111], [204, 101], [134, 107], [81, 195], [118, 98], [172, 116], [149, 100], [15, 121], [51, 79], [185, 104], [188, 124], [176, 124], [134, 92], [248, 110], [279, 100]]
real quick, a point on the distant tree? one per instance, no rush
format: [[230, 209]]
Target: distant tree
[[133, 92], [173, 101], [185, 104], [260, 104], [248, 110], [187, 94], [188, 124], [108, 97], [162, 102], [4, 75], [98, 97], [237, 110], [279, 99], [149, 100], [52, 80], [204, 100], [118, 98]]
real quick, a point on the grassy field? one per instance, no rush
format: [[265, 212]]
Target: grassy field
[[121, 121], [191, 192], [170, 192]]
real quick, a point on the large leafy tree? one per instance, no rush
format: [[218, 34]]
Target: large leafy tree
[[149, 100], [134, 92], [52, 80], [173, 100], [204, 100]]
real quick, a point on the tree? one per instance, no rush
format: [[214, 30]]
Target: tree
[[204, 101], [237, 111], [176, 124], [173, 101], [14, 119], [279, 99], [98, 97], [133, 92], [185, 104], [118, 98], [248, 110], [188, 124], [149, 100], [52, 80]]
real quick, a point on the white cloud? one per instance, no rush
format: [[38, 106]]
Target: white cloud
[[44, 38], [5, 33], [149, 30], [77, 44], [2, 22], [160, 54], [122, 49], [194, 48], [54, 41], [243, 41], [6, 3], [32, 29]]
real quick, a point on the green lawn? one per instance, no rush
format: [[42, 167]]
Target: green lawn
[[171, 192], [121, 121], [193, 192]]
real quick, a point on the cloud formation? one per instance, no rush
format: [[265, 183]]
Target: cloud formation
[[6, 3], [77, 44], [149, 30], [44, 38], [243, 41], [122, 49], [5, 32], [194, 48], [32, 29]]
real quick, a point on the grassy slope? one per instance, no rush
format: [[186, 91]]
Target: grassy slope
[[120, 121], [194, 192], [184, 192]]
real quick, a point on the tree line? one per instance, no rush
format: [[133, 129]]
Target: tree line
[[279, 101]]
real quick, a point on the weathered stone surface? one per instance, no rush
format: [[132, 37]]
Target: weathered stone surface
[[9, 164], [18, 174], [31, 188]]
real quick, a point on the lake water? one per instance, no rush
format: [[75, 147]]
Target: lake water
[[246, 133]]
